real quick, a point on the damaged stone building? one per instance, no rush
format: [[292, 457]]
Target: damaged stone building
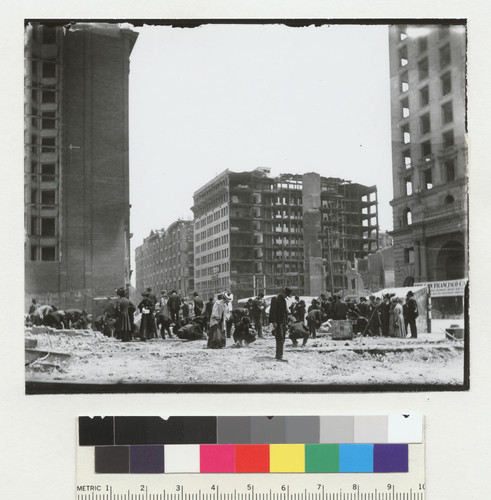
[[77, 244], [429, 152], [254, 232]]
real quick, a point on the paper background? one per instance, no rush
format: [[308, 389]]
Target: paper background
[[38, 433]]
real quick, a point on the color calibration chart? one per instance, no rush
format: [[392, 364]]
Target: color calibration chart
[[251, 458]]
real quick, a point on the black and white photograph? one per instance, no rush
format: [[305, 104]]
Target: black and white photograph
[[245, 205]]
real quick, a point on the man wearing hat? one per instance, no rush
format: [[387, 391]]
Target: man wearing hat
[[385, 315], [174, 304], [257, 308], [412, 313], [278, 315]]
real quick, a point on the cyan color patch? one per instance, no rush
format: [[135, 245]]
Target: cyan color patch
[[356, 458]]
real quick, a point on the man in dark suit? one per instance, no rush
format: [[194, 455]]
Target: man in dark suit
[[278, 315], [412, 313]]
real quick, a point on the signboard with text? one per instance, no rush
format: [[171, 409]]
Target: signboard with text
[[451, 288]]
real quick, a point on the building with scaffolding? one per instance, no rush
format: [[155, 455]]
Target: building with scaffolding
[[165, 260], [429, 152], [253, 232], [76, 165]]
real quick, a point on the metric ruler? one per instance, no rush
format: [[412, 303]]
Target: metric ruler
[[361, 490]]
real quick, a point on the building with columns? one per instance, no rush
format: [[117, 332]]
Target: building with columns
[[429, 152]]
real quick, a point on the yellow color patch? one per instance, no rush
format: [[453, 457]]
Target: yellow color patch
[[287, 458]]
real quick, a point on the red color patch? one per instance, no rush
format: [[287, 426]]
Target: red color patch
[[252, 458]]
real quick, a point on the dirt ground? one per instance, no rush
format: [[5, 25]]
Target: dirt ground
[[98, 359]]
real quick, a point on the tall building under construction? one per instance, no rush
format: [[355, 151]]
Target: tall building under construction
[[77, 244], [429, 152], [254, 232]]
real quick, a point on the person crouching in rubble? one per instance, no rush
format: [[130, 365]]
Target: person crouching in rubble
[[297, 330], [242, 332], [314, 320]]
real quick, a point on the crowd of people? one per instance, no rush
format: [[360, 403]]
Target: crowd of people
[[171, 316], [389, 316]]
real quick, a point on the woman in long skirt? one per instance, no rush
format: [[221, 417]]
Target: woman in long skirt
[[400, 328], [218, 329], [392, 317], [123, 323], [146, 308]]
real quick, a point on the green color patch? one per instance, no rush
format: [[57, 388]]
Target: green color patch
[[322, 458]]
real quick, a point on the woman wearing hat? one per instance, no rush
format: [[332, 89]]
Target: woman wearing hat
[[219, 315], [146, 308], [123, 323]]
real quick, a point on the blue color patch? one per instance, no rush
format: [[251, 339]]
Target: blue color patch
[[356, 458]]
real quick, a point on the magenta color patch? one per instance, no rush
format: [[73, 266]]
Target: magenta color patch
[[217, 458]]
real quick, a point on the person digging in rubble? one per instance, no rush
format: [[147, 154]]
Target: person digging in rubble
[[242, 333], [315, 318], [297, 330]]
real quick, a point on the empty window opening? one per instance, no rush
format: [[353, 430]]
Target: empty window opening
[[34, 252], [48, 96], [428, 179], [424, 96], [403, 56], [423, 69], [423, 44], [447, 112], [48, 197], [449, 170], [425, 123], [48, 226], [48, 253], [448, 139], [49, 69], [409, 255], [404, 82], [48, 171], [405, 107], [449, 200], [406, 136], [49, 35], [48, 144], [406, 157], [445, 56], [408, 186], [446, 83], [34, 225], [426, 150], [407, 217]]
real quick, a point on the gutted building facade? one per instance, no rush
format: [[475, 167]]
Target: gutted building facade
[[254, 232], [165, 259], [76, 167], [429, 152]]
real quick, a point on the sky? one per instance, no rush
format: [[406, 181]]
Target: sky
[[238, 97]]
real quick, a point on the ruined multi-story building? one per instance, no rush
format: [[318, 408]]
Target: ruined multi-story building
[[76, 162], [253, 232], [165, 259], [429, 153]]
